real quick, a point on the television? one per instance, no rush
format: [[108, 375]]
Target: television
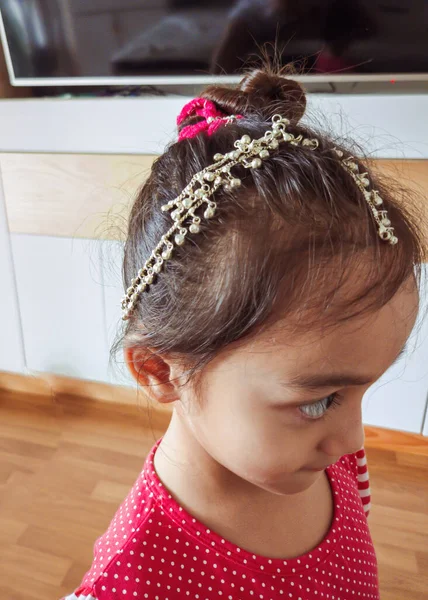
[[162, 42]]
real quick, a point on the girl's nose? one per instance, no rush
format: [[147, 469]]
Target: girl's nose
[[345, 436]]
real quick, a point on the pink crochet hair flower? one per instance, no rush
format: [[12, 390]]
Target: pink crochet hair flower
[[213, 118]]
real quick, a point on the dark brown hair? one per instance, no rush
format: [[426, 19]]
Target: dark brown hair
[[280, 246]]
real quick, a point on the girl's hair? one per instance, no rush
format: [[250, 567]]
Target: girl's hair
[[281, 247]]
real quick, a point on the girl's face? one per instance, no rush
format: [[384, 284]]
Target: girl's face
[[278, 411]]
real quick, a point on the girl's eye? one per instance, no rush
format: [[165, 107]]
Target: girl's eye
[[316, 410]]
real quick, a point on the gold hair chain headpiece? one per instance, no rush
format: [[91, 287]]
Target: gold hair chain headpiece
[[249, 154], [373, 199]]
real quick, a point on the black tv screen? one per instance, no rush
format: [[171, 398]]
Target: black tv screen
[[162, 41]]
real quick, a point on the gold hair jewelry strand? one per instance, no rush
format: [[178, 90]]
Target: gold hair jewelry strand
[[373, 199], [249, 154]]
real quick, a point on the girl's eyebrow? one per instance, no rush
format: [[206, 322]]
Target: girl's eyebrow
[[316, 381]]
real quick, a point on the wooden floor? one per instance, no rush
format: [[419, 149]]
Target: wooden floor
[[66, 463]]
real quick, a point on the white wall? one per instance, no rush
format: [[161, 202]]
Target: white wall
[[399, 399], [11, 347]]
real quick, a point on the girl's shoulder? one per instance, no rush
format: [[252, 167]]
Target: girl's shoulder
[[116, 551], [142, 538]]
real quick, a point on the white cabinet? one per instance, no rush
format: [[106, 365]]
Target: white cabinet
[[399, 399], [62, 308], [111, 256], [11, 348]]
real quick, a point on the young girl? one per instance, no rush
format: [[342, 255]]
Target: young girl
[[271, 279]]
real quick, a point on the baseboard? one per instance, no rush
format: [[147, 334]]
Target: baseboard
[[48, 385]]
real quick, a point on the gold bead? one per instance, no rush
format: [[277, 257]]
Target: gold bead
[[235, 182], [218, 156], [179, 239], [245, 139], [256, 163], [264, 153]]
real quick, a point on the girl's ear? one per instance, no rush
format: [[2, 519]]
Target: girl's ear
[[153, 373]]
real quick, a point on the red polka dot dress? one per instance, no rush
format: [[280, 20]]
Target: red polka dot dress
[[154, 549]]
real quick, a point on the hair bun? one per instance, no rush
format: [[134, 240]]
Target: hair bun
[[273, 93], [261, 92]]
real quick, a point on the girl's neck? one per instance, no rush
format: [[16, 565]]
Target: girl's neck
[[190, 472], [233, 507]]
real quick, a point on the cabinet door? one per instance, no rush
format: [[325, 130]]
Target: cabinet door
[[399, 399], [62, 308], [111, 267], [11, 349]]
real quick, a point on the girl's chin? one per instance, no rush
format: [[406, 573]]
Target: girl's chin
[[294, 484]]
